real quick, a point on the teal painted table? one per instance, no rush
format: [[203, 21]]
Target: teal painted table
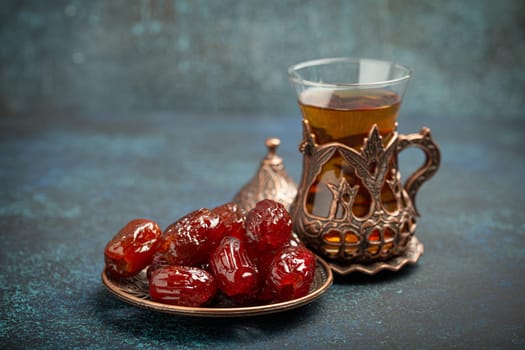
[[68, 184]]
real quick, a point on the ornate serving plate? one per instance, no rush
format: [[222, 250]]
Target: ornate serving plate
[[135, 292]]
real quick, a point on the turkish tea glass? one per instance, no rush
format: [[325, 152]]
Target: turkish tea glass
[[351, 205]]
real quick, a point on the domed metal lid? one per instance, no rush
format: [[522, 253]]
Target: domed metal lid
[[270, 182]]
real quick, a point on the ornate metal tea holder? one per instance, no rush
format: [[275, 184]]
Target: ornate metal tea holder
[[381, 239]]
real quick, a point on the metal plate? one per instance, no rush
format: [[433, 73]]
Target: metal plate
[[411, 255], [135, 291]]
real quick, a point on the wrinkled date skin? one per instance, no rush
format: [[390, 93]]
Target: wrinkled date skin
[[236, 273], [233, 218], [190, 240], [132, 248], [268, 226], [289, 275], [182, 286]]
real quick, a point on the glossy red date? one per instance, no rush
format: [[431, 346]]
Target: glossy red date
[[289, 275], [190, 240], [132, 248], [233, 218], [235, 272], [182, 286], [268, 226]]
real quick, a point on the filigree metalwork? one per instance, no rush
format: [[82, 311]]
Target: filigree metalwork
[[414, 250], [384, 231], [137, 286]]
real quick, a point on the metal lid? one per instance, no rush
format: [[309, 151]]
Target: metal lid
[[270, 182]]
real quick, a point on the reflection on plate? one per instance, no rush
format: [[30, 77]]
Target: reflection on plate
[[135, 292], [410, 256]]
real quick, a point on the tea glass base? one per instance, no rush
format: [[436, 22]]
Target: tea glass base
[[411, 255]]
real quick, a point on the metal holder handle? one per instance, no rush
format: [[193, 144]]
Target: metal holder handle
[[422, 140]]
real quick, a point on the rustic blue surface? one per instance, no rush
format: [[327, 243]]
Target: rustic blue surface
[[69, 183]]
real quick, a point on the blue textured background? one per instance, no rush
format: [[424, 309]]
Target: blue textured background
[[111, 110], [232, 56]]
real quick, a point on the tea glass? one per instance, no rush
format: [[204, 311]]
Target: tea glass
[[352, 206]]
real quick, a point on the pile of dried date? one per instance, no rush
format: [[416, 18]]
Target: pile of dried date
[[249, 258]]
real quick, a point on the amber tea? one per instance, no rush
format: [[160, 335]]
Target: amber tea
[[346, 116]]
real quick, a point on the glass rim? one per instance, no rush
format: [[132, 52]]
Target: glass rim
[[294, 76]]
